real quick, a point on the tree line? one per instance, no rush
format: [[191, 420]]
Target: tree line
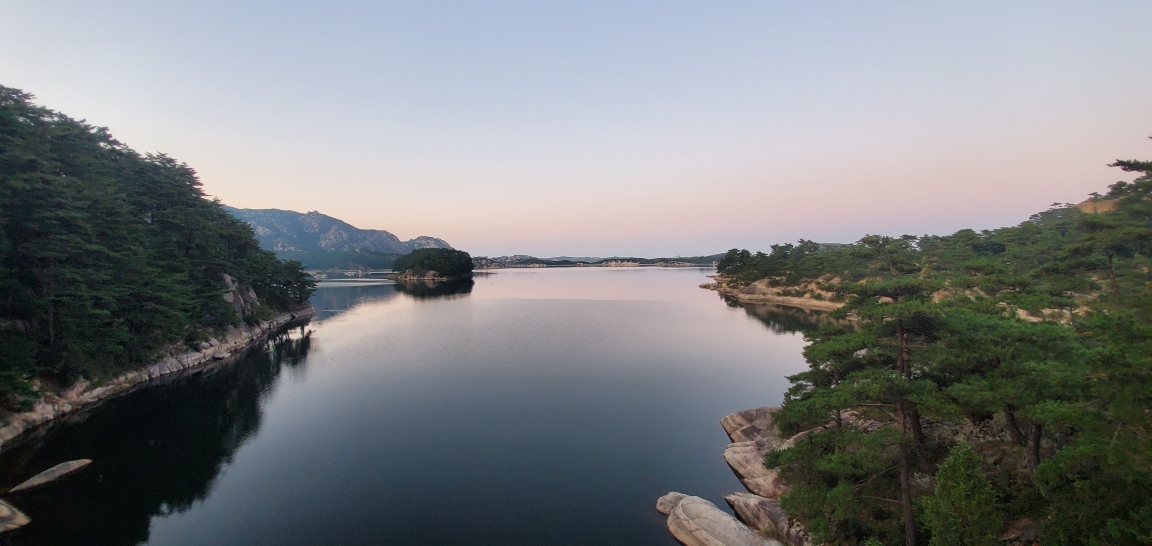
[[446, 262], [992, 377], [108, 256]]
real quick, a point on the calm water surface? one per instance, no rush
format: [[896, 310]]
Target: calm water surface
[[533, 407]]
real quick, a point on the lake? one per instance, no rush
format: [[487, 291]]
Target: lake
[[535, 406]]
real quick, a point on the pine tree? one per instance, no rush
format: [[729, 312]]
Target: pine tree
[[962, 511]]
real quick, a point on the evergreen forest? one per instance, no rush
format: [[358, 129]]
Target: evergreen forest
[[109, 257], [995, 385], [446, 262]]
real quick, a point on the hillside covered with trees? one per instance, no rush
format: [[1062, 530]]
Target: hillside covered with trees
[[995, 383], [320, 241], [108, 255]]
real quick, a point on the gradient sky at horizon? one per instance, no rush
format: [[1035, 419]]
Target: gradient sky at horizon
[[611, 128]]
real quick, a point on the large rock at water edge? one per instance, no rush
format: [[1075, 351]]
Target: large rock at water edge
[[749, 425], [11, 518], [665, 504], [747, 461], [697, 522], [766, 516], [52, 474], [754, 435]]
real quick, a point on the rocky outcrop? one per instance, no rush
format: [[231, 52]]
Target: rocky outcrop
[[242, 299], [747, 460], [52, 474], [753, 436], [697, 522], [748, 425], [665, 504], [11, 518], [1097, 205], [430, 275], [693, 520], [83, 394], [766, 516], [804, 297]]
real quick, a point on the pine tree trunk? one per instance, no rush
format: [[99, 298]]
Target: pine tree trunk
[[1013, 426], [1034, 446], [905, 352], [903, 361], [901, 356], [906, 493], [1031, 442], [917, 429], [1112, 278]]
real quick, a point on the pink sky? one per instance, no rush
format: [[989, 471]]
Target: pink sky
[[612, 128]]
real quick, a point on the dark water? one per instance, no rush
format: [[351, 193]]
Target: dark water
[[531, 407]]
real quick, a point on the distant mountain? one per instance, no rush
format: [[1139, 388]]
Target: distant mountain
[[286, 230], [588, 259], [523, 260]]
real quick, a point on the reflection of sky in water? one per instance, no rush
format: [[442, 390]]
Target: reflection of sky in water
[[334, 297], [541, 407]]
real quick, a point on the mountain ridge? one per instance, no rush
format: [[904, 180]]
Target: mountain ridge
[[286, 230]]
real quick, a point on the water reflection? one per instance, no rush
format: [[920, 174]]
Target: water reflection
[[334, 298], [784, 319], [426, 289], [537, 407], [156, 452]]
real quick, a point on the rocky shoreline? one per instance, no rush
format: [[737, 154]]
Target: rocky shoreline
[[430, 275], [84, 395], [759, 519], [761, 292]]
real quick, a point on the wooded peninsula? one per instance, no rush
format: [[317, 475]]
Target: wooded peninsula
[[995, 384], [110, 258]]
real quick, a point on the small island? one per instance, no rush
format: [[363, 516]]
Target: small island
[[433, 264]]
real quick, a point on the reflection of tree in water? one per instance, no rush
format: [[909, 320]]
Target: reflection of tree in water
[[423, 290], [333, 299], [783, 319], [155, 451]]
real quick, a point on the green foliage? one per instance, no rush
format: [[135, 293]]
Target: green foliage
[[1061, 398], [840, 481], [785, 261], [444, 261], [107, 255], [962, 511]]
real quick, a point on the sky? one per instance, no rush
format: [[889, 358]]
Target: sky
[[597, 128]]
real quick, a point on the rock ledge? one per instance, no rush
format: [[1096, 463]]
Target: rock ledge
[[54, 406]]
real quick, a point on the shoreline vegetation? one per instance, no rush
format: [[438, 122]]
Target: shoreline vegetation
[[994, 387], [84, 395], [762, 292], [116, 268], [432, 264]]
